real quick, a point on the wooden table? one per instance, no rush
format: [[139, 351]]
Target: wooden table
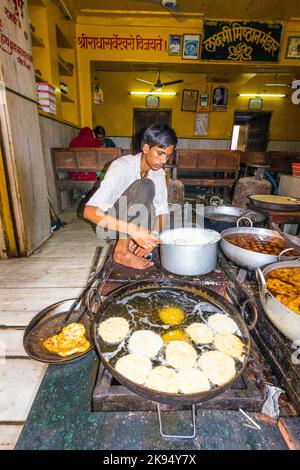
[[279, 217]]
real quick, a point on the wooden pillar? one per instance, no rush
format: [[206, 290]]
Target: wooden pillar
[[8, 247], [22, 146]]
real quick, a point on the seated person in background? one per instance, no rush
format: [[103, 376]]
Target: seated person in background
[[99, 132], [130, 180], [85, 138]]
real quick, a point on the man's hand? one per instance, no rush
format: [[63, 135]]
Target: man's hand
[[143, 238]]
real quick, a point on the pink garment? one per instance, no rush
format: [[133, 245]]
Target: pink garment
[[86, 138]]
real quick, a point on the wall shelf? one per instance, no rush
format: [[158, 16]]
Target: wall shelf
[[36, 41], [66, 99], [39, 78], [62, 41], [65, 68]]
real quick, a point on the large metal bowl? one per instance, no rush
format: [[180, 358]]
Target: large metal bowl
[[220, 218], [204, 295], [275, 203], [287, 321], [251, 259]]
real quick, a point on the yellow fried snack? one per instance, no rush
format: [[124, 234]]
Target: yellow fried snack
[[290, 275], [284, 284], [294, 304], [176, 335], [276, 286], [51, 344], [69, 341], [81, 346], [171, 315], [285, 298]]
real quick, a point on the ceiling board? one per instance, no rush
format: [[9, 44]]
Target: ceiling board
[[216, 70], [238, 9]]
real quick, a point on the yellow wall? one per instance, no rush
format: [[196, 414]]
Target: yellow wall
[[85, 56], [45, 19], [116, 113]]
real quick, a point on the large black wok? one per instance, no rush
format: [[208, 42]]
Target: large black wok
[[182, 290]]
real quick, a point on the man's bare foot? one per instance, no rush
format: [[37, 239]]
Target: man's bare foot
[[137, 250], [132, 261], [122, 255]]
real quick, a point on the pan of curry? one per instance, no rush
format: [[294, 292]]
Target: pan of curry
[[252, 247]]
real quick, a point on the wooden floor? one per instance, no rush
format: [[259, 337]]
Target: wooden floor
[[27, 285]]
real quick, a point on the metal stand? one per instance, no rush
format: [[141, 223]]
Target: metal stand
[[169, 436]]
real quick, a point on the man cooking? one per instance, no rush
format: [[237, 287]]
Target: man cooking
[[135, 180]]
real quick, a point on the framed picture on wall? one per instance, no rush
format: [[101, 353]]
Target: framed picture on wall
[[204, 101], [220, 99], [255, 103], [293, 48], [191, 44], [175, 44], [152, 101], [201, 124], [189, 100]]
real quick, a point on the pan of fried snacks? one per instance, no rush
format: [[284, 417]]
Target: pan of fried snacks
[[280, 296]]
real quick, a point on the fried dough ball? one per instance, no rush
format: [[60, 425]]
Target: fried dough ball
[[200, 333], [217, 366], [171, 315], [229, 344], [163, 379], [180, 355]]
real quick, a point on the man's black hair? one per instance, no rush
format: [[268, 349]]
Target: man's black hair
[[159, 135], [99, 130]]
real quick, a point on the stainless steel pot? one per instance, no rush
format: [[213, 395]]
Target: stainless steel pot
[[189, 251], [287, 321], [251, 259]]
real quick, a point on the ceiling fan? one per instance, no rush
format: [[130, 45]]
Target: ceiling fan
[[171, 6], [158, 83]]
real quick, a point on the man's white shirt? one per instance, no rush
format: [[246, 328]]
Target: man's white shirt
[[120, 175]]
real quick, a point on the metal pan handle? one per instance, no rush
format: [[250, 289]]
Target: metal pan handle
[[245, 218], [177, 436], [93, 301], [282, 252], [215, 201], [249, 214], [261, 279], [253, 311]]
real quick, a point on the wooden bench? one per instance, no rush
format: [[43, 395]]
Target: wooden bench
[[254, 158], [81, 159], [208, 168]]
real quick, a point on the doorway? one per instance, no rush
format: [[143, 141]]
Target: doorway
[[250, 131], [143, 118]]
